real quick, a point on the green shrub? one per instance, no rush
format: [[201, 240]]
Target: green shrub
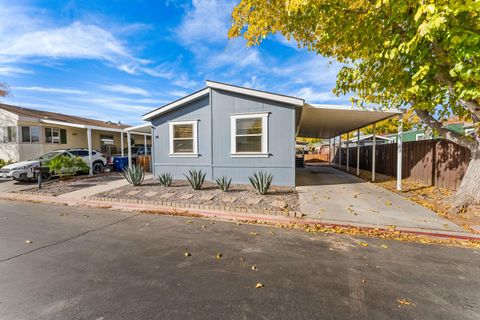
[[261, 182], [134, 175], [165, 179], [67, 167], [5, 162], [195, 178], [224, 183]]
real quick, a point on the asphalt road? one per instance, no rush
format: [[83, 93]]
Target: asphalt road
[[100, 264]]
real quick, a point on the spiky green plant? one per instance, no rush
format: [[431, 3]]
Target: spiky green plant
[[195, 178], [224, 183], [134, 175], [261, 182], [165, 179]]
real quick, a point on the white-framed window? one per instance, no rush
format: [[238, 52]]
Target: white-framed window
[[55, 135], [249, 135], [8, 134], [420, 136], [30, 134], [183, 138]]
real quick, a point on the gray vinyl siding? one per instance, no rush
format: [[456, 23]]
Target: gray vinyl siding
[[214, 139], [177, 166]]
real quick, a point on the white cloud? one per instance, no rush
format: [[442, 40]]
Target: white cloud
[[205, 21], [312, 95], [12, 71], [236, 55], [51, 90], [120, 88], [28, 34]]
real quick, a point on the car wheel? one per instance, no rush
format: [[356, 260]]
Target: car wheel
[[97, 167], [46, 176]]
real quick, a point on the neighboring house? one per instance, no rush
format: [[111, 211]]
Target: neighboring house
[[226, 130], [28, 133], [463, 128], [367, 140]]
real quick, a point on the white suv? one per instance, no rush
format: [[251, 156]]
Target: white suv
[[22, 171]]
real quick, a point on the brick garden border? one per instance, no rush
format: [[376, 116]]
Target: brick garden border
[[176, 205]]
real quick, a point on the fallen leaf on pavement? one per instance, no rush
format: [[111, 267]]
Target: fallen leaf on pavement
[[29, 241], [384, 246], [259, 285], [189, 221], [272, 233], [242, 259], [219, 256], [253, 234], [364, 281], [86, 215], [362, 243], [388, 203], [405, 302], [254, 268]]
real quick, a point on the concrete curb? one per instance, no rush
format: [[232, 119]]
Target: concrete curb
[[231, 216]]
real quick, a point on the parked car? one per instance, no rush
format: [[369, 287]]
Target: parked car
[[22, 171], [137, 150]]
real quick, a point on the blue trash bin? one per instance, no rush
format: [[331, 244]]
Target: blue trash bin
[[120, 163]]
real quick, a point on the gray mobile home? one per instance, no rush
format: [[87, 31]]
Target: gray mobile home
[[226, 130]]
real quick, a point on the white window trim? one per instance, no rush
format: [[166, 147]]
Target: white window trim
[[193, 154], [233, 135]]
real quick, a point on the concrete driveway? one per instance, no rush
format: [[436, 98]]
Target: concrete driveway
[[103, 265], [332, 195]]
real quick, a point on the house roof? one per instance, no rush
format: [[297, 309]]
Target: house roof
[[58, 117], [225, 87]]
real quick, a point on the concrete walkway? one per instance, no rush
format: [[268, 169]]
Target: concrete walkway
[[332, 195]]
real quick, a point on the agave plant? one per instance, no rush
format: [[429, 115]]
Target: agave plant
[[165, 179], [195, 178], [224, 183], [134, 175], [261, 182]]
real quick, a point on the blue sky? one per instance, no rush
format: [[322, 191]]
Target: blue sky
[[115, 60]]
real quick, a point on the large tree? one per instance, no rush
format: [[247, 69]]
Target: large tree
[[419, 54]]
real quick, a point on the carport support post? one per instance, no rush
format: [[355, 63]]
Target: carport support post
[[399, 153], [129, 146], [90, 159], [340, 151], [348, 151], [358, 152], [373, 153], [121, 143]]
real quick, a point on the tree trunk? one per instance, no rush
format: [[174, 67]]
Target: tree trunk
[[469, 191]]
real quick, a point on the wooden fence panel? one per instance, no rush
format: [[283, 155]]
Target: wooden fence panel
[[432, 162]]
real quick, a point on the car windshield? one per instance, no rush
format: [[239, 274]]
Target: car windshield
[[49, 156]]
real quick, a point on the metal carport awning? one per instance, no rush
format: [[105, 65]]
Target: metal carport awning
[[328, 121], [331, 121]]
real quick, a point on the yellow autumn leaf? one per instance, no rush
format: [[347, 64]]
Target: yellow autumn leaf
[[259, 285], [384, 246], [362, 243], [219, 256]]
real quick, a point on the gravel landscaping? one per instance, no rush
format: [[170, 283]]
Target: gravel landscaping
[[57, 187], [180, 192]]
